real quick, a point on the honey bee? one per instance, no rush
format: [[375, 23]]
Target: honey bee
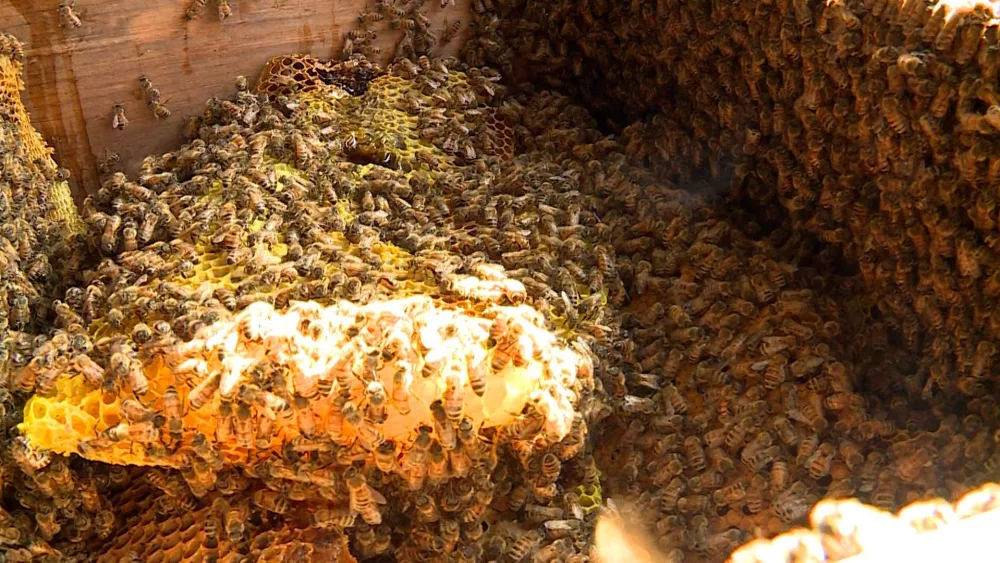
[[159, 110], [695, 453], [203, 391], [68, 16], [144, 432], [109, 236], [550, 467], [272, 501], [385, 456], [408, 25], [224, 10], [119, 121], [348, 49], [401, 381], [151, 92], [172, 407], [450, 31], [199, 476], [234, 517], [437, 464], [134, 411], [136, 377], [364, 499], [454, 398], [427, 511], [147, 227], [730, 494], [338, 517], [375, 410], [426, 159], [194, 9], [369, 435], [368, 18], [819, 463], [471, 443], [520, 548], [272, 405], [807, 446], [786, 431]]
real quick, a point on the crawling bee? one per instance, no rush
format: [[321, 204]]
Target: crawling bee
[[272, 501], [369, 18], [119, 121], [363, 498], [110, 161], [225, 10], [144, 432], [148, 90], [68, 16], [524, 544], [450, 31], [172, 405], [159, 110], [194, 9]]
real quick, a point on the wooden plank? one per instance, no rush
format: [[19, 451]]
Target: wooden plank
[[75, 76]]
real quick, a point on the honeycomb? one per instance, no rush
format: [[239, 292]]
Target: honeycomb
[[415, 326], [302, 74], [180, 537], [63, 208], [283, 316], [385, 115]]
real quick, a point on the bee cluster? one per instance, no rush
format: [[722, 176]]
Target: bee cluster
[[853, 137], [869, 124], [411, 18], [459, 385], [842, 529], [37, 260], [825, 331], [163, 522]]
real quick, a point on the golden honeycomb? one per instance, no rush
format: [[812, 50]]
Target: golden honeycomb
[[302, 74], [273, 330], [149, 537], [65, 421], [64, 209]]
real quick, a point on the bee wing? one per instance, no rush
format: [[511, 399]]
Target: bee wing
[[377, 496]]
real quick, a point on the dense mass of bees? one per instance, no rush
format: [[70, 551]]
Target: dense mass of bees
[[829, 335], [855, 137], [842, 529], [304, 314], [868, 123]]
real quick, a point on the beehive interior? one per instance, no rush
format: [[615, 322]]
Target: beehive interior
[[755, 244]]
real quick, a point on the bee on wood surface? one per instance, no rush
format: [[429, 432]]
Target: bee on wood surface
[[119, 121], [194, 9], [68, 16]]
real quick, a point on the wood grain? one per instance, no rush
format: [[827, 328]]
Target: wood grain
[[75, 76]]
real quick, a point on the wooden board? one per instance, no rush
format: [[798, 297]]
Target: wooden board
[[75, 76]]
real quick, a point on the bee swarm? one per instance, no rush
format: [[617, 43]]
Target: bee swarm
[[843, 529], [287, 318], [827, 329]]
